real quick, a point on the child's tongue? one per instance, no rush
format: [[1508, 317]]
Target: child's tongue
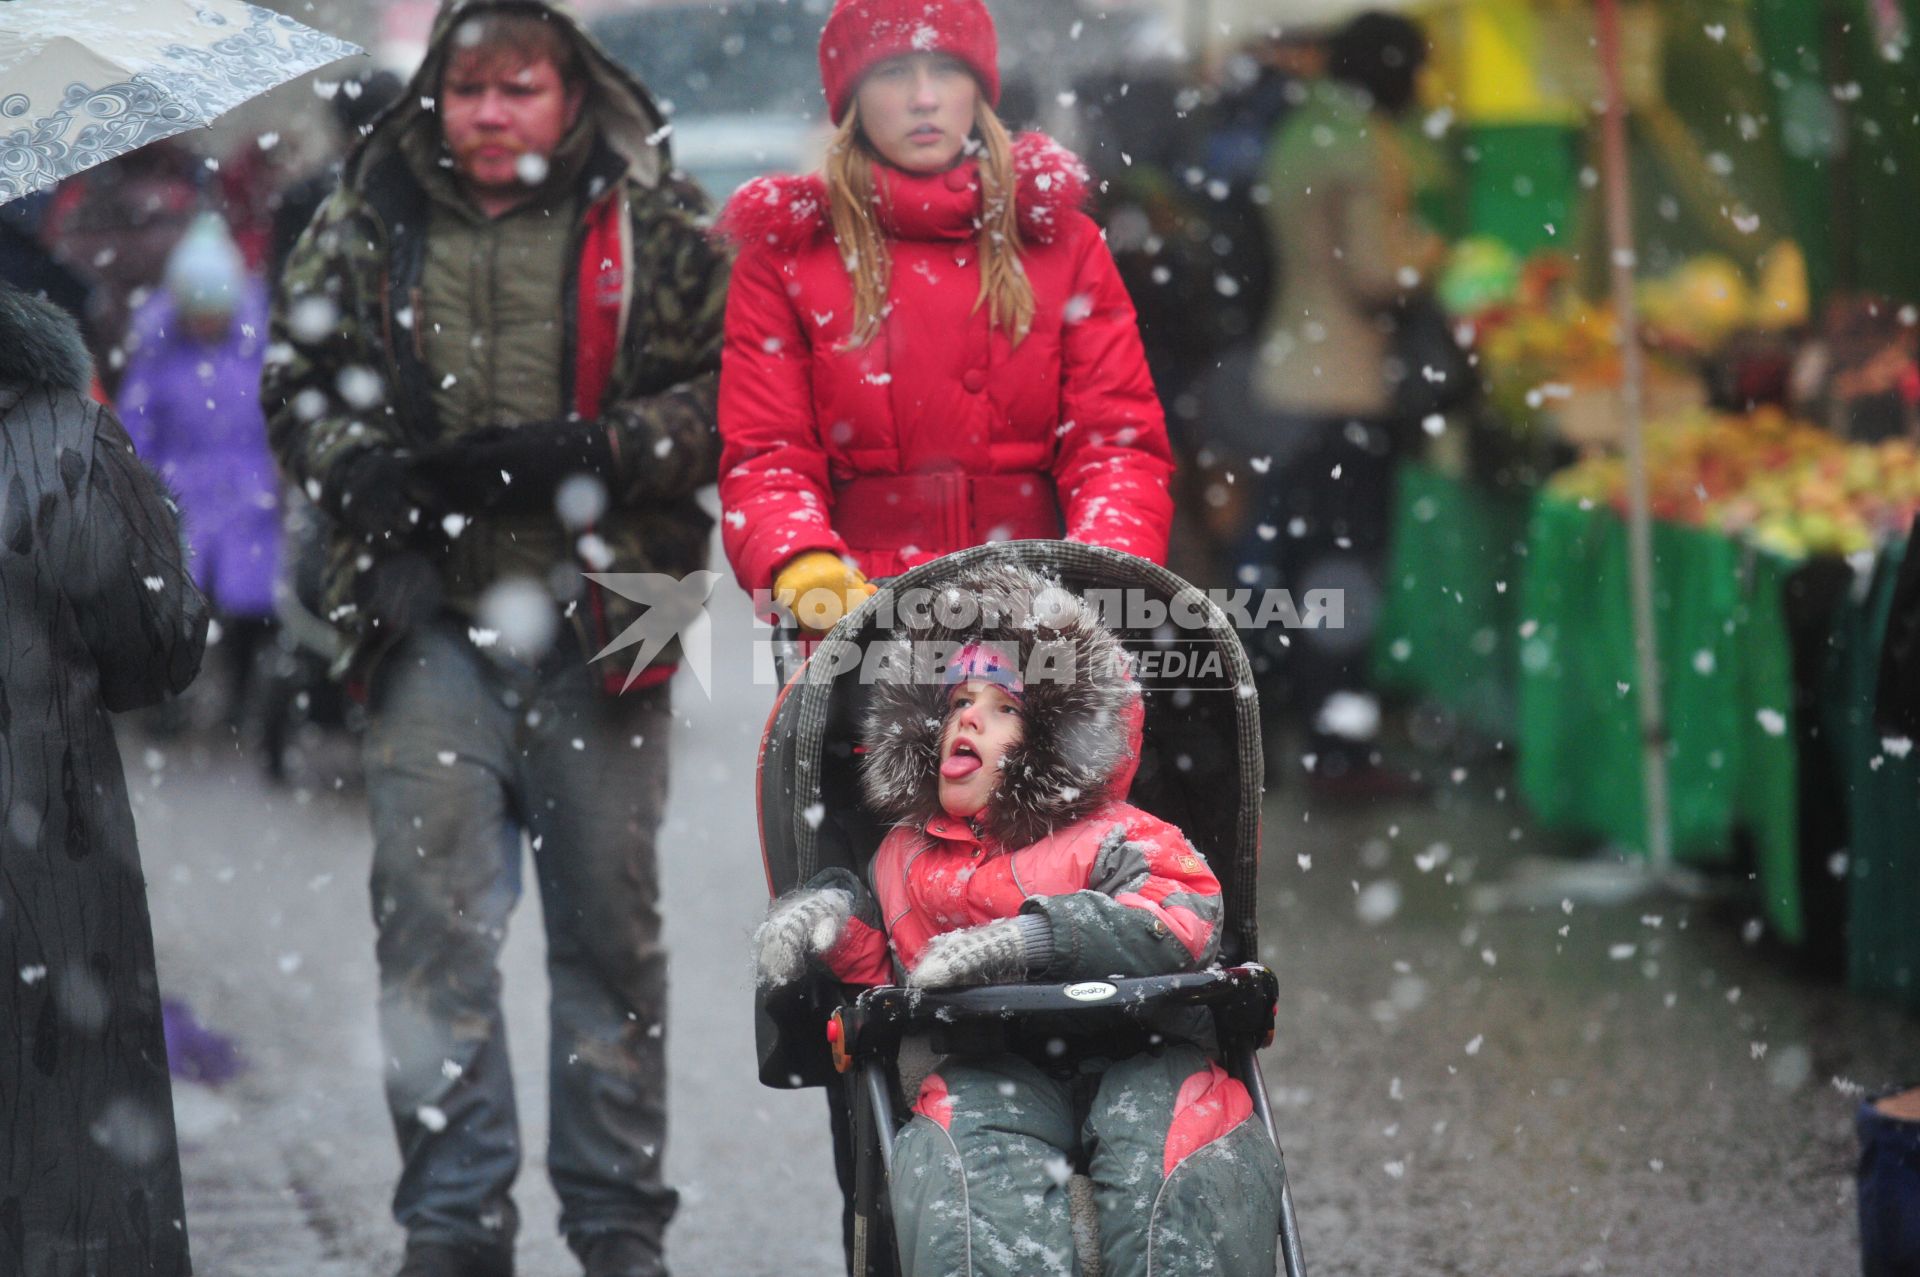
[[960, 766]]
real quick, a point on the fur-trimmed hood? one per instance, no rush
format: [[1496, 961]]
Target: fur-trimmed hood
[[789, 212], [1081, 729], [40, 344]]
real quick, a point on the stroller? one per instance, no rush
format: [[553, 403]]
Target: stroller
[[1199, 767]]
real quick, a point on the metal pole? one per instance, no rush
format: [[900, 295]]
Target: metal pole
[[1653, 734]]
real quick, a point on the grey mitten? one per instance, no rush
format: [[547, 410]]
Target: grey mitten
[[1003, 951], [799, 927]]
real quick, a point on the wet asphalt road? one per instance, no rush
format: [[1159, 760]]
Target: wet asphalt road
[[1630, 1089]]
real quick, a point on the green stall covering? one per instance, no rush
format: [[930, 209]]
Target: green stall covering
[[1709, 169], [1547, 663], [1523, 183], [1706, 177], [1767, 797], [1449, 625], [1727, 681], [1846, 124], [1883, 791]]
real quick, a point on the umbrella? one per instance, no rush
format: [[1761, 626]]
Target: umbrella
[[83, 81]]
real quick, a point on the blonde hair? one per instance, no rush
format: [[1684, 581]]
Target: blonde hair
[[851, 198]]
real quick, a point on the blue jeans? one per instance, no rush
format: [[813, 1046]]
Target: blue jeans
[[465, 755]]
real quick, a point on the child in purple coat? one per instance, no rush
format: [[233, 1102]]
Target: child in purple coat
[[191, 402]]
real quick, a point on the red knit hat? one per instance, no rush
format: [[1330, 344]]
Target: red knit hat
[[862, 33]]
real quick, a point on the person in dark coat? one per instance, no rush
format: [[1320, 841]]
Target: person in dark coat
[[26, 263], [1897, 698], [356, 106], [98, 613]]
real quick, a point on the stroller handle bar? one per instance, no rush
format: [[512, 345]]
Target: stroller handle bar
[[1244, 1000]]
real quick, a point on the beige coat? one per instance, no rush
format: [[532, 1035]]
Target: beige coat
[[1349, 248]]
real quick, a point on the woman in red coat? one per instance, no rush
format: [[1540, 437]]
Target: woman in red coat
[[928, 346]]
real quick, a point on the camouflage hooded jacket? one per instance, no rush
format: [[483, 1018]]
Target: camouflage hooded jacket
[[346, 371]]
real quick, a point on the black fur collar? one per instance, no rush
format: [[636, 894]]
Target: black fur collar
[[1079, 735], [40, 344]]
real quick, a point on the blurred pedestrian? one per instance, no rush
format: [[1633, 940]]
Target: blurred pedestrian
[[26, 263], [1183, 254], [191, 402], [1897, 694], [1261, 84], [497, 347], [1887, 1183], [115, 226], [1160, 230], [928, 345], [356, 105], [100, 616], [1323, 423]]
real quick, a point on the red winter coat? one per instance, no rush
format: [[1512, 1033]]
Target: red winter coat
[[1126, 893], [940, 433]]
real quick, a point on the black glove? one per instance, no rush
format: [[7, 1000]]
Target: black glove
[[513, 469], [378, 493], [400, 592]]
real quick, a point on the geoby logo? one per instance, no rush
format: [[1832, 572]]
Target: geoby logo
[[675, 608]]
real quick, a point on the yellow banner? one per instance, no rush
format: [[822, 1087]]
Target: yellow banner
[[1500, 57], [1534, 61]]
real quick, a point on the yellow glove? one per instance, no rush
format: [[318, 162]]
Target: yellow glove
[[819, 588]]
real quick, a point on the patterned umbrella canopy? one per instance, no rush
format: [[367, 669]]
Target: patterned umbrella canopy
[[83, 81]]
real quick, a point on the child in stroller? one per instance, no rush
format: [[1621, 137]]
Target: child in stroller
[[1014, 856]]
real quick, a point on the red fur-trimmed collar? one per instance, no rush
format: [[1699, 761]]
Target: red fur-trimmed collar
[[788, 212]]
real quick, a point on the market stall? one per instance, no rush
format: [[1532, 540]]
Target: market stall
[[1509, 608], [1652, 563], [1771, 543]]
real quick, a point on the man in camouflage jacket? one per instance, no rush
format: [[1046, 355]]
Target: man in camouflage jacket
[[493, 365]]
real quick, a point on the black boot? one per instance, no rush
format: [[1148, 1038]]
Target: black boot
[[619, 1255], [447, 1259]]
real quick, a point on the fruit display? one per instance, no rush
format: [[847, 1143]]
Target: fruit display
[[1481, 274], [1547, 355], [1789, 488], [1540, 346], [1783, 298], [1696, 307], [1531, 357]]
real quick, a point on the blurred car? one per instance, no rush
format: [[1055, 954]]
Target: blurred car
[[740, 81]]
